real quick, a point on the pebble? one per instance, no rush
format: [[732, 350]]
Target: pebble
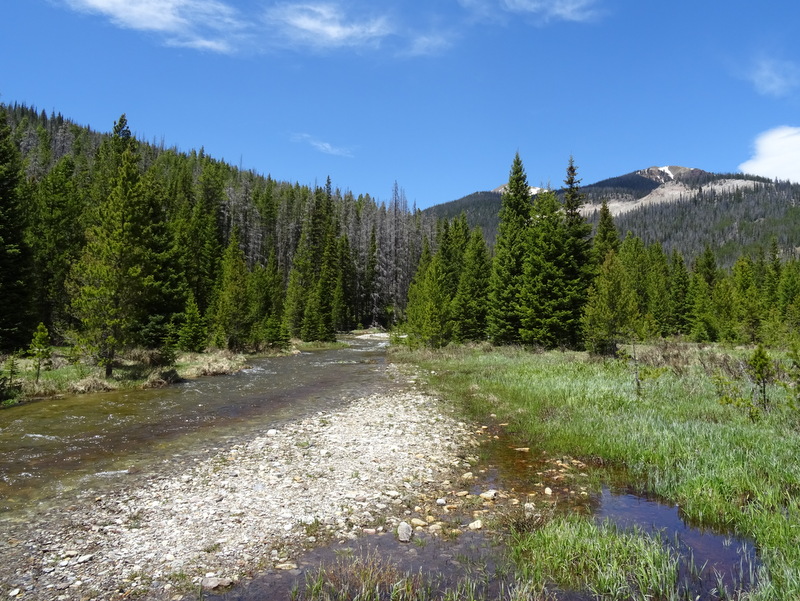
[[404, 532], [273, 490]]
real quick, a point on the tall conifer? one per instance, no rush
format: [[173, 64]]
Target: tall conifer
[[16, 321], [503, 319]]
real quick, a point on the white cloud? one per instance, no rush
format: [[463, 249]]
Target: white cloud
[[546, 10], [201, 24], [323, 147], [424, 44], [324, 25], [777, 154], [773, 77]]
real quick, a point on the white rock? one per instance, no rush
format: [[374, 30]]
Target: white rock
[[476, 525], [404, 532]]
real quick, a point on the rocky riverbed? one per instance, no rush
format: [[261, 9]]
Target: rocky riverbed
[[364, 469]]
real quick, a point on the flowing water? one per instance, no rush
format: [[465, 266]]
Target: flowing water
[[52, 448]]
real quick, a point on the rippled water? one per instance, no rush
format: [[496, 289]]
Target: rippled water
[[56, 446]]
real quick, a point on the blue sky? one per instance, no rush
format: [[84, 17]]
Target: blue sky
[[437, 96]]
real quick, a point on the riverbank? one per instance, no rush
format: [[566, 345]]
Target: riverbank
[[665, 423], [137, 370], [257, 505]]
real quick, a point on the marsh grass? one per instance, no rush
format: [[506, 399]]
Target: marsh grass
[[574, 553], [369, 577], [670, 434]]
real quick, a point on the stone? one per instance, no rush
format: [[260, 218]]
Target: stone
[[286, 566], [441, 502], [548, 491], [272, 432], [418, 522], [404, 532], [212, 582], [489, 495], [476, 525], [467, 476]]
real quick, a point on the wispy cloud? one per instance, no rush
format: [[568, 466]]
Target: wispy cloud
[[326, 25], [200, 24], [544, 10], [773, 77], [324, 147], [427, 43], [777, 154]]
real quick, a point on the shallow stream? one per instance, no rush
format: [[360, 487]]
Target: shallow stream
[[52, 450]]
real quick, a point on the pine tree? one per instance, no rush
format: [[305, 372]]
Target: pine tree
[[612, 313], [428, 311], [503, 319], [678, 295], [470, 304], [547, 299], [108, 283], [16, 283], [230, 322], [40, 349], [606, 238], [55, 236], [578, 268], [192, 335]]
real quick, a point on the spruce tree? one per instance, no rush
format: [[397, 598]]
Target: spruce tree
[[470, 304], [547, 298], [109, 282], [192, 334], [578, 266], [428, 311], [40, 349], [606, 238], [678, 295], [230, 322], [16, 277], [503, 319], [612, 314]]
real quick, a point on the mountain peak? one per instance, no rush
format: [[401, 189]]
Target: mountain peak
[[667, 173]]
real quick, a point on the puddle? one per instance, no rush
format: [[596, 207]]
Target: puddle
[[443, 564], [709, 559]]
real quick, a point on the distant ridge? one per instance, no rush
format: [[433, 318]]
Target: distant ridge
[[683, 208]]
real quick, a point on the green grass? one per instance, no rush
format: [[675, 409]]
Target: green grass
[[670, 435], [574, 553]]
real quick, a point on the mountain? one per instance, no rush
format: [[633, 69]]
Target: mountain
[[683, 208]]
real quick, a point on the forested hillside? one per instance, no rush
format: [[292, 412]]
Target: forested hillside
[[556, 282], [111, 242], [695, 209]]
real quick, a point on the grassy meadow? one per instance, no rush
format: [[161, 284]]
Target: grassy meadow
[[691, 425]]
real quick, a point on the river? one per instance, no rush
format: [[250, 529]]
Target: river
[[51, 448]]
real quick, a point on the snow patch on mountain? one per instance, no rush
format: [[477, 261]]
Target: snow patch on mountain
[[670, 191]]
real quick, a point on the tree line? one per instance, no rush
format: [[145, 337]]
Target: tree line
[[554, 281], [112, 243]]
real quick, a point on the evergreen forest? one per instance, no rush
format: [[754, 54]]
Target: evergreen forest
[[109, 243], [112, 243]]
